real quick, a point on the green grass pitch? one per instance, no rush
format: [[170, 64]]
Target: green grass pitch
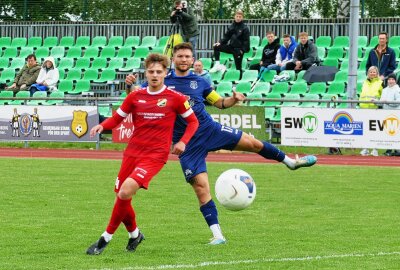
[[325, 217]]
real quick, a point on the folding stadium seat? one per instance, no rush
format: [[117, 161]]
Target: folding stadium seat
[[18, 42], [264, 42], [162, 41], [65, 86], [38, 94], [50, 42], [66, 63], [20, 94], [335, 53], [157, 50], [291, 103], [318, 88], [216, 77], [74, 74], [131, 64], [90, 75], [99, 41], [321, 53], [105, 110], [67, 41], [148, 42], [115, 42], [362, 41], [333, 62], [257, 56], [272, 103], [81, 86], [6, 94], [341, 41], [397, 53], [74, 52], [292, 75], [243, 87], [141, 53], [107, 52], [308, 104], [42, 52], [17, 63], [10, 53], [106, 76], [268, 76], [125, 52], [55, 94], [82, 41], [115, 63], [232, 75], [7, 75], [99, 63], [24, 52], [207, 62], [57, 52], [254, 42], [91, 52], [323, 42], [299, 88], [5, 42], [132, 41], [336, 88], [280, 88], [254, 102], [269, 113], [82, 63], [277, 117], [225, 57], [394, 42], [4, 62], [262, 87], [341, 76], [231, 65], [344, 65], [35, 42], [249, 76], [373, 42], [224, 89], [61, 73]]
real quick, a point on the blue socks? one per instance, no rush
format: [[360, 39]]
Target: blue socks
[[271, 152], [210, 214]]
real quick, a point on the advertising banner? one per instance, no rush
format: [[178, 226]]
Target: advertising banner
[[347, 128], [47, 123]]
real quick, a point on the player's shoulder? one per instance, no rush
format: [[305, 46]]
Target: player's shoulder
[[173, 92]]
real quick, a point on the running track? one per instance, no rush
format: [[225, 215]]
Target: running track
[[212, 157]]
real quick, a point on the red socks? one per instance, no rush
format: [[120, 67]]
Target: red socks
[[122, 212]]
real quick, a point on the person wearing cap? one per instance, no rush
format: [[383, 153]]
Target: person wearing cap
[[391, 93], [48, 77]]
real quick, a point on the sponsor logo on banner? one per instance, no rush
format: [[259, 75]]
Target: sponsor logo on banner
[[343, 124], [79, 124], [391, 125], [309, 122], [25, 124]]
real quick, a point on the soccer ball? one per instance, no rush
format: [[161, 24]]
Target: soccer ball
[[79, 128], [235, 189]]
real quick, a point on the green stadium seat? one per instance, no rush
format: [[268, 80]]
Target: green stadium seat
[[216, 77], [262, 87], [107, 52], [344, 65], [363, 65], [272, 103], [6, 94], [74, 74], [280, 88], [249, 76], [99, 41], [55, 94], [321, 53], [65, 86], [115, 63], [125, 52], [268, 76], [132, 41], [341, 41], [231, 65], [362, 41], [7, 75], [106, 76], [105, 110], [269, 113], [5, 42], [207, 62], [323, 42], [336, 88], [10, 53], [255, 102], [333, 62], [50, 42], [373, 42], [225, 57], [116, 42], [224, 89], [121, 97], [17, 63], [244, 87], [157, 50], [80, 86], [34, 42], [231, 75], [148, 42], [141, 52], [277, 117], [74, 52], [162, 41], [24, 52], [309, 104], [341, 76], [91, 52], [291, 103], [42, 52], [82, 63], [254, 42], [292, 75], [327, 97], [38, 94], [20, 94], [257, 56], [67, 41], [318, 88], [4, 62], [99, 63], [65, 63], [264, 42], [90, 75], [299, 88], [359, 87], [394, 42], [57, 52], [61, 74], [300, 75], [335, 53], [397, 53], [130, 65], [18, 42], [82, 41]]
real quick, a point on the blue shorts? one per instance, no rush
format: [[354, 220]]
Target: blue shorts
[[193, 160]]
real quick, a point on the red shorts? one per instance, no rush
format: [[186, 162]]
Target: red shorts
[[139, 169]]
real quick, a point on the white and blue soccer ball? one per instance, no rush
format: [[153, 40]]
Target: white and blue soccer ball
[[235, 189]]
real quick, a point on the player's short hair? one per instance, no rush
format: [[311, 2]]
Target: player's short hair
[[240, 12], [183, 46], [156, 58], [31, 56], [286, 36], [303, 34], [384, 33]]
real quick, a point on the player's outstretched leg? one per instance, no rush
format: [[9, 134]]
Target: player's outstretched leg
[[306, 161], [97, 247], [134, 242]]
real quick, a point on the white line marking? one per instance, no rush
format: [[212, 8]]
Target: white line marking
[[263, 260]]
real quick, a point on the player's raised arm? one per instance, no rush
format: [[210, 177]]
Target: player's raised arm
[[221, 102]]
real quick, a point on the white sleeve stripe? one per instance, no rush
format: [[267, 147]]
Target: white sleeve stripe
[[187, 113], [122, 113]]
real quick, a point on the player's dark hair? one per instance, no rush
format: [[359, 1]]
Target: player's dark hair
[[182, 46], [156, 58], [286, 36], [31, 56]]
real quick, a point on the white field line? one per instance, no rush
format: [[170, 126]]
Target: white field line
[[254, 261]]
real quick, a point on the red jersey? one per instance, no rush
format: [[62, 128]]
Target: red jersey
[[153, 116]]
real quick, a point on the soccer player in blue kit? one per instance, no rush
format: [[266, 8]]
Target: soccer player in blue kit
[[211, 135]]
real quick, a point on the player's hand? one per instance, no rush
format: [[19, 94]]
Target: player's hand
[[217, 44], [96, 130], [131, 79], [23, 86], [178, 148], [238, 96]]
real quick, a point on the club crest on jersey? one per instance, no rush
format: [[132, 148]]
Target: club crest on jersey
[[193, 84], [162, 102]]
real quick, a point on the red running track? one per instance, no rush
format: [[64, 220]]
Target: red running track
[[212, 157]]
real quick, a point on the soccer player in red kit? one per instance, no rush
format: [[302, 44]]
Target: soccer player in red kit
[[154, 110]]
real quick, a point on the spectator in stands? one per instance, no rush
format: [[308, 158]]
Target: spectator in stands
[[48, 77], [198, 69], [391, 93], [269, 52], [382, 56], [305, 54], [27, 75], [184, 16], [284, 54], [371, 91], [236, 41]]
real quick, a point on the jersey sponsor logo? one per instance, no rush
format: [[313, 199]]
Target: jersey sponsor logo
[[193, 84], [162, 102], [79, 125]]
